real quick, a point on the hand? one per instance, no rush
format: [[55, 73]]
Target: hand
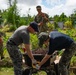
[[37, 67], [34, 61], [40, 24], [42, 14]]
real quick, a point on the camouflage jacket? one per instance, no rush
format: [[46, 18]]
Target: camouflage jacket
[[38, 19]]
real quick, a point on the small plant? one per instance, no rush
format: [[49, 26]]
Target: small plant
[[50, 26], [34, 41], [73, 61], [68, 24], [12, 28]]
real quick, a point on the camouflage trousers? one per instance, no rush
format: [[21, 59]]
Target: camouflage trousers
[[66, 58], [16, 57], [1, 51]]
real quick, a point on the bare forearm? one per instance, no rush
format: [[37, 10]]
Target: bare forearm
[[44, 59], [46, 18], [29, 51], [30, 54]]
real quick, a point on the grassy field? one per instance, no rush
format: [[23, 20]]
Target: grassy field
[[6, 71]]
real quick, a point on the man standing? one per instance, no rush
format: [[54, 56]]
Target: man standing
[[21, 35], [1, 47], [41, 18], [58, 41]]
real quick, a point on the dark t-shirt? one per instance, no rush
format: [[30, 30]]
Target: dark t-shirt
[[21, 35], [58, 41]]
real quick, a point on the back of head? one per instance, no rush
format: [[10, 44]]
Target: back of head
[[43, 36], [34, 25]]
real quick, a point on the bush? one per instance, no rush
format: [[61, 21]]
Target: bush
[[12, 28], [68, 24], [73, 61], [50, 26], [5, 28], [34, 41]]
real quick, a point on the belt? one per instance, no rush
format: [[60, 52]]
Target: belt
[[10, 42]]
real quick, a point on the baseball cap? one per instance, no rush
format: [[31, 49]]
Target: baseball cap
[[43, 36], [34, 25]]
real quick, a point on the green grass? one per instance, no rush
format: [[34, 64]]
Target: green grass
[[6, 71]]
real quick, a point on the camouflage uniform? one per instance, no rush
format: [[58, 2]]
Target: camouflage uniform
[[59, 41], [1, 48], [1, 51], [20, 36], [38, 19], [65, 59], [16, 57]]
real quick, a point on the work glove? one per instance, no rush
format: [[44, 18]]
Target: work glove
[[34, 62], [37, 67]]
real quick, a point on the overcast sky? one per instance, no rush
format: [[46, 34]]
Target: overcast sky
[[52, 7]]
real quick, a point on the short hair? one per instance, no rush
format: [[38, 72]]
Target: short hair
[[38, 7], [43, 36]]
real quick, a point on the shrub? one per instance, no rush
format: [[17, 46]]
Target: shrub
[[12, 28], [34, 41], [68, 24]]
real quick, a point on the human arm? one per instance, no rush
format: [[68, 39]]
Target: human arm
[[46, 57], [41, 18], [27, 46], [45, 16], [45, 19]]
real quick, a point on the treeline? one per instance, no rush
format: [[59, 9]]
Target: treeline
[[11, 16]]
